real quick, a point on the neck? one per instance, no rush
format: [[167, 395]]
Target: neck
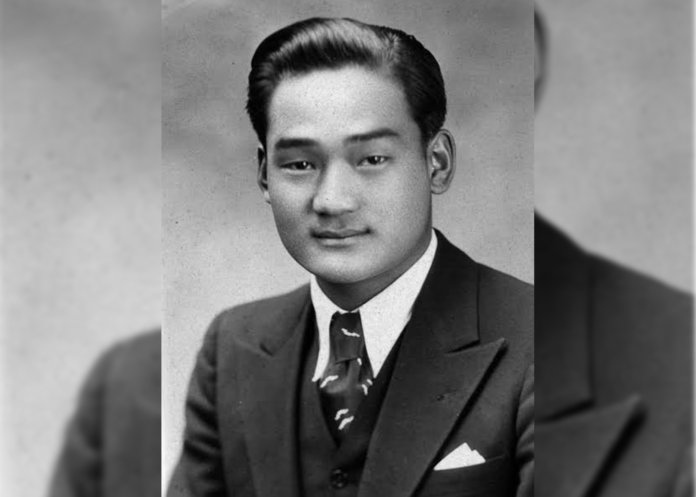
[[350, 296]]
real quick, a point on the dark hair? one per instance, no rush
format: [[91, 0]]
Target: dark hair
[[320, 43]]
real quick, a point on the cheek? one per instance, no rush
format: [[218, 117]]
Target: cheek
[[407, 198], [287, 204]]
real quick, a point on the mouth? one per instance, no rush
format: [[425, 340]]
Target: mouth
[[337, 237]]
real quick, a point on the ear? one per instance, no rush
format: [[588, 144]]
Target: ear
[[441, 156], [262, 173]]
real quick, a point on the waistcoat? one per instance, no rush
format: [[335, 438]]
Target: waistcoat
[[328, 469]]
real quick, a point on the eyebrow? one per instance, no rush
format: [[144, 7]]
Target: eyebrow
[[286, 143], [373, 135]]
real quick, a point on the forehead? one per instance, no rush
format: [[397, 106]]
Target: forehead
[[331, 104]]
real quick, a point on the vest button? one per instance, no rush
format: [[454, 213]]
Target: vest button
[[339, 478]]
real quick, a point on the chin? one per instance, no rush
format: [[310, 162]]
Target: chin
[[340, 274]]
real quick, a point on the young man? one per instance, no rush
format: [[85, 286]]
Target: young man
[[405, 368], [615, 384]]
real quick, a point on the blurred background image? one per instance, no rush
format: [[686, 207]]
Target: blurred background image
[[613, 132], [221, 247], [80, 214], [614, 249]]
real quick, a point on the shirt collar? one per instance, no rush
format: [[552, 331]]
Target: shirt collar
[[383, 317]]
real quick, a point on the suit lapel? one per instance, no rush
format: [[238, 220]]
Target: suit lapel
[[426, 394], [425, 399], [578, 448], [268, 399]]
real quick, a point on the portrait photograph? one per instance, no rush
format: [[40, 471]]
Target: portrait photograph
[[348, 216]]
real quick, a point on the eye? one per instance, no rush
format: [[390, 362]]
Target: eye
[[300, 165], [373, 160]]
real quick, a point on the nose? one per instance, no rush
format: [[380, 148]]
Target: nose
[[336, 191]]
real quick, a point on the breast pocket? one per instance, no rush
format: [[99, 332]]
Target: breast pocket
[[493, 478]]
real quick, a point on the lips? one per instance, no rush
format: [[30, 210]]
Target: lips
[[337, 234]]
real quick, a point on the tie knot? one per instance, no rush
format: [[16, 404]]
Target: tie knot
[[346, 335]]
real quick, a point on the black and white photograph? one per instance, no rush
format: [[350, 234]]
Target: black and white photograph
[[348, 229], [316, 248]]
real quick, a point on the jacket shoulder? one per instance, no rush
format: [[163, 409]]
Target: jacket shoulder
[[506, 305], [134, 363], [239, 321], [114, 433], [626, 297], [505, 287]]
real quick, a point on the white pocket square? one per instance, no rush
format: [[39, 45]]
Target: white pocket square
[[460, 457]]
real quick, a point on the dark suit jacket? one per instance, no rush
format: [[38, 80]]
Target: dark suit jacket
[[113, 443], [464, 373], [615, 376]]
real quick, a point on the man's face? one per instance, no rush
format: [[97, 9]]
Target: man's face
[[347, 176]]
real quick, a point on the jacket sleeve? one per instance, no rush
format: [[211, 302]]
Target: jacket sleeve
[[79, 467], [199, 471], [525, 437]]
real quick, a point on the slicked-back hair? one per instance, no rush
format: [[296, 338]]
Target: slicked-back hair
[[321, 43]]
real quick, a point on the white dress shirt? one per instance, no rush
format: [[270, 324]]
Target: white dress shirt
[[383, 317]]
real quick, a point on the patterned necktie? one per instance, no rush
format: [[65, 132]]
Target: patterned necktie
[[348, 377]]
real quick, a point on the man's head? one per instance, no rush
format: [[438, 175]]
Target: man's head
[[349, 118]]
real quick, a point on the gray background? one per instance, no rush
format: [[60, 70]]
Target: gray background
[[613, 137], [221, 247], [80, 209]]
